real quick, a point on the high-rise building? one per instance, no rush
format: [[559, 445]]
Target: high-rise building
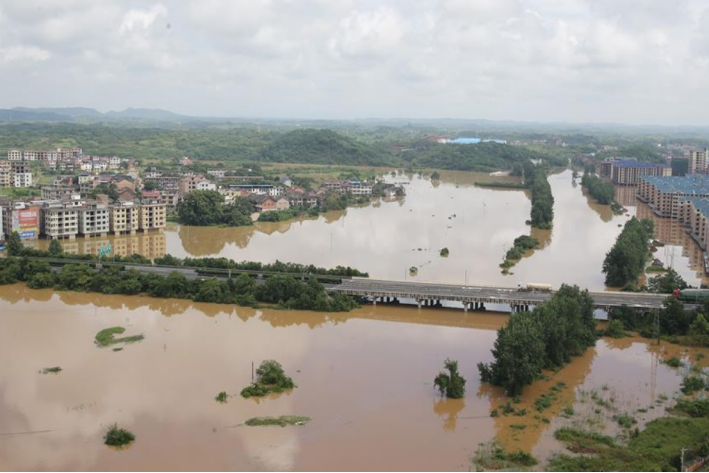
[[698, 160]]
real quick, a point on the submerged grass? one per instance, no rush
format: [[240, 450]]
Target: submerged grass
[[52, 370], [281, 421], [657, 448], [106, 337], [492, 457]]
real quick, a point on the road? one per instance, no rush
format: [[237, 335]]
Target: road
[[485, 294]]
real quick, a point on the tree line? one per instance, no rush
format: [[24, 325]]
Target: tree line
[[283, 290], [602, 191], [627, 258], [542, 214], [546, 338], [15, 248]]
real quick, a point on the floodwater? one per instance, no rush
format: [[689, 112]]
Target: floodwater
[[364, 377], [477, 225]]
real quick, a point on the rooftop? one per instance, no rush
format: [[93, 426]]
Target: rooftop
[[691, 184]]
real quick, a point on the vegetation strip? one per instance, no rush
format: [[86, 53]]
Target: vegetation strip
[[626, 260], [270, 378], [106, 337], [281, 421]]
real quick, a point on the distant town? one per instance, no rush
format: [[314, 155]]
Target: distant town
[[101, 195]]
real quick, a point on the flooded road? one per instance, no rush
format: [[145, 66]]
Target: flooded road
[[364, 377]]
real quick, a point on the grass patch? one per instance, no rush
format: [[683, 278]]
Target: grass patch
[[281, 421], [582, 441], [625, 420], [657, 448], [518, 426], [116, 437], [546, 400], [673, 362], [492, 457], [106, 337], [52, 370], [693, 407], [692, 384]]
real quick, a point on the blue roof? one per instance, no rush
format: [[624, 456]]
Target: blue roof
[[700, 203], [690, 184], [629, 163], [465, 140]]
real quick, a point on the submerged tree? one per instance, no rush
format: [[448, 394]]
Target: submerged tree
[[450, 384], [270, 378]]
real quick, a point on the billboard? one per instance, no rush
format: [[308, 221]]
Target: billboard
[[26, 222]]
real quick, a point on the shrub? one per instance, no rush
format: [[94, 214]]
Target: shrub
[[116, 437]]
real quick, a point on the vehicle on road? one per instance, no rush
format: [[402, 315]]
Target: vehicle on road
[[535, 287], [691, 295]]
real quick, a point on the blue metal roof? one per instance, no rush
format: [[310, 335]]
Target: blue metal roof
[[690, 184]]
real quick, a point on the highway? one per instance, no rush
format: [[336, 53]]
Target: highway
[[378, 288]]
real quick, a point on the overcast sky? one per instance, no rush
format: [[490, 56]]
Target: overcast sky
[[633, 61]]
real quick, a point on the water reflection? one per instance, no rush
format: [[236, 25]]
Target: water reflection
[[448, 409], [151, 245]]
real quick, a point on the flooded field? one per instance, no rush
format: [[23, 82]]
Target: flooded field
[[365, 378]]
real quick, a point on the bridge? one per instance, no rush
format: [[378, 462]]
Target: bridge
[[475, 297]]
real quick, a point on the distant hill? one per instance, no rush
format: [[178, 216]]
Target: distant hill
[[483, 157], [323, 147], [84, 115], [147, 114]]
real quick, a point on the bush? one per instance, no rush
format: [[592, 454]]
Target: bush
[[451, 384], [615, 329], [270, 378], [692, 384], [116, 437]]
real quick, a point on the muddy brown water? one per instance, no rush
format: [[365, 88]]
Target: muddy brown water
[[364, 377]]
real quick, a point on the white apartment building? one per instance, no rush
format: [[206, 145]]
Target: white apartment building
[[94, 219], [60, 220], [14, 155], [124, 218]]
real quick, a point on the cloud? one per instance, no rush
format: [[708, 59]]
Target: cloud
[[23, 54], [497, 59], [141, 18]]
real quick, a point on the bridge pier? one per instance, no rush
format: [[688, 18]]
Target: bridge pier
[[418, 303]]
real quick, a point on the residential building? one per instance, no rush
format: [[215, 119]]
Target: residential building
[[205, 185], [164, 182], [680, 166], [124, 218], [21, 174], [218, 173], [6, 179], [58, 192], [59, 219], [626, 171], [698, 160], [264, 203], [14, 155], [185, 161], [664, 194], [94, 219], [356, 187], [261, 189], [153, 215]]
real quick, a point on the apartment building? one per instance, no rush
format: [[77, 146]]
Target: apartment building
[[356, 187], [698, 160], [665, 194], [14, 155], [6, 179], [94, 219], [58, 192], [124, 218], [259, 189], [153, 215], [59, 219], [22, 174], [626, 171]]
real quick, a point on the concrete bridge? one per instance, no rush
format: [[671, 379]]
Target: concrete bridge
[[475, 297]]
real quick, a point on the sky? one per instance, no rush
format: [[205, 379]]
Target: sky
[[624, 61]]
